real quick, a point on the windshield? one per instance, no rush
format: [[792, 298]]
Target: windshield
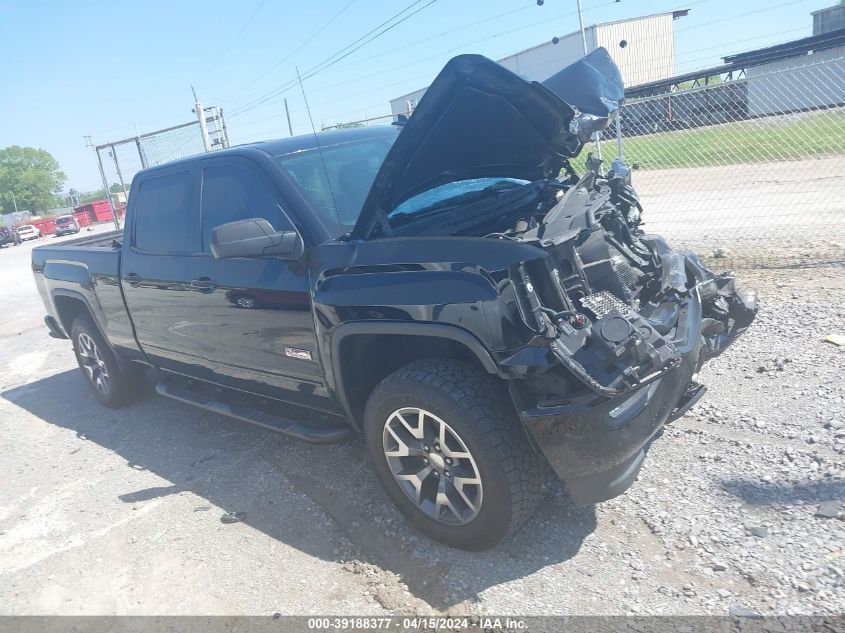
[[453, 191], [64, 218], [337, 179]]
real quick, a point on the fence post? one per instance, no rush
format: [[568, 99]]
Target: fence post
[[117, 167], [106, 188], [140, 151]]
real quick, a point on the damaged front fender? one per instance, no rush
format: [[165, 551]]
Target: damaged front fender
[[624, 375]]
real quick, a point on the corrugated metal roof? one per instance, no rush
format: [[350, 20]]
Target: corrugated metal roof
[[788, 49]]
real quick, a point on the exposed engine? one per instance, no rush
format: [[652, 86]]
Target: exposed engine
[[612, 302]]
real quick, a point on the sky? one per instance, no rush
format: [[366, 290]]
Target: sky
[[104, 67]]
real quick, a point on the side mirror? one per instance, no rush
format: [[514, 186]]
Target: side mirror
[[254, 238]]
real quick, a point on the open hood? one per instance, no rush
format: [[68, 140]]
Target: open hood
[[594, 88], [478, 119]]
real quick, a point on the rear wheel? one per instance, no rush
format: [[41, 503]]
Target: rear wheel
[[447, 447], [111, 384]]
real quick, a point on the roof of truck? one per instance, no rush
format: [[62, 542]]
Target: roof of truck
[[322, 139], [290, 145]]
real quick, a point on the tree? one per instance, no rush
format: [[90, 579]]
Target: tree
[[31, 177], [90, 196]]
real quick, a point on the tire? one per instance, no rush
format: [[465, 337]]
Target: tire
[[479, 422], [112, 385]]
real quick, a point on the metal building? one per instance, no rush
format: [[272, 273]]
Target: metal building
[[642, 47], [829, 19], [778, 77]]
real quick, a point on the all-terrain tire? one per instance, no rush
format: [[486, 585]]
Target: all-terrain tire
[[476, 407], [96, 360]]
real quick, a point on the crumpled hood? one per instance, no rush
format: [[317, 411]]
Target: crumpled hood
[[593, 87], [478, 119]]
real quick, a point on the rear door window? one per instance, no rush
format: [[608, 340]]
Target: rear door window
[[164, 222], [231, 193]]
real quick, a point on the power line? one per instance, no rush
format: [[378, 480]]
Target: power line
[[298, 48], [485, 39], [446, 52], [341, 54], [374, 37], [292, 81], [233, 41], [428, 40], [408, 80], [424, 41], [644, 62]]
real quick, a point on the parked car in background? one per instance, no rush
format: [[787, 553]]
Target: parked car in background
[[28, 232], [8, 236], [66, 225]]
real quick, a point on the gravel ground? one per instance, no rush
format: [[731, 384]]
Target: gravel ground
[[765, 214], [119, 512]]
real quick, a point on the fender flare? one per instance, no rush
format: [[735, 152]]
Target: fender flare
[[434, 330], [78, 296]]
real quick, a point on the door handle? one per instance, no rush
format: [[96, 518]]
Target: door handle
[[132, 279], [204, 284]]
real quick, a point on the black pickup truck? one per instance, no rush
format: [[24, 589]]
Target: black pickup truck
[[453, 288]]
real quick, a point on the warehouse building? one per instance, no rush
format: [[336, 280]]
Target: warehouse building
[[643, 49], [803, 74]]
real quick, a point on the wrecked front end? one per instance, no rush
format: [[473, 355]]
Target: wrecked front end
[[622, 324], [601, 331]]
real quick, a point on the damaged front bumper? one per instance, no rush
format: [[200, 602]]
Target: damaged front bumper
[[596, 441]]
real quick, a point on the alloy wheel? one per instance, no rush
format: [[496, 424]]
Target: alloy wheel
[[432, 465], [93, 364]]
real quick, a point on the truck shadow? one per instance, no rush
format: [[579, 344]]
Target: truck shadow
[[776, 493], [285, 489]]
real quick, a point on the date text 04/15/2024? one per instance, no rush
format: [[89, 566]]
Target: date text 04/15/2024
[[479, 623]]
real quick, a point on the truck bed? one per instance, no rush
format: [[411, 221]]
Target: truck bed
[[100, 240], [78, 261], [86, 269]]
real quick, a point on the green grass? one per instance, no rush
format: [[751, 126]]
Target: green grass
[[790, 137]]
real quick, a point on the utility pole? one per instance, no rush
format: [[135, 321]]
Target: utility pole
[[90, 143], [287, 112], [584, 48], [225, 129], [201, 118], [581, 23]]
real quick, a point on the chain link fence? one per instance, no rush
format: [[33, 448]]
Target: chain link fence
[[121, 160], [749, 171], [745, 170]]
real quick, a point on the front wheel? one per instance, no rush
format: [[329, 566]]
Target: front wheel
[[449, 451], [111, 384]]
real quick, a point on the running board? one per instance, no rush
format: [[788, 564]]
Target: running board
[[209, 400]]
